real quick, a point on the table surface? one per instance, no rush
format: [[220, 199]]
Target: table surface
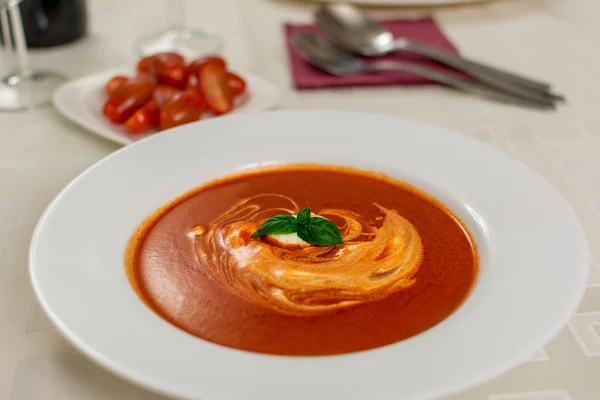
[[557, 40]]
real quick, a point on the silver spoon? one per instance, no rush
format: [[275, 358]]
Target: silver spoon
[[353, 30], [325, 55]]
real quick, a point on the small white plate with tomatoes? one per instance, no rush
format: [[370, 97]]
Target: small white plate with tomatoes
[[130, 103]]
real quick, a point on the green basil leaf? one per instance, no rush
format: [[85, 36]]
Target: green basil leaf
[[320, 232], [305, 233], [304, 216], [282, 223]]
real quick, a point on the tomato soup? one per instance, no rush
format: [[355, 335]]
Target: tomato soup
[[374, 261]]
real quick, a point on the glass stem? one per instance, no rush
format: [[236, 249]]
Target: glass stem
[[19, 39], [6, 38], [176, 13]]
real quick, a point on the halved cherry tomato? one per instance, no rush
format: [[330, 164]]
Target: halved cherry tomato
[[236, 83], [198, 63], [128, 98], [114, 83], [163, 93], [184, 107], [144, 118], [214, 88]]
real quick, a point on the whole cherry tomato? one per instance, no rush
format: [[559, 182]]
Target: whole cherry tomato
[[236, 83], [184, 107], [128, 98], [167, 68], [163, 93], [114, 83], [214, 88], [144, 118], [147, 64], [171, 74], [198, 63]]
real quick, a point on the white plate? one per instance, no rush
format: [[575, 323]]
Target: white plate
[[81, 100], [534, 259]]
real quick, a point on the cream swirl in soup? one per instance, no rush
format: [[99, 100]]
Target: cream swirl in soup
[[372, 262]]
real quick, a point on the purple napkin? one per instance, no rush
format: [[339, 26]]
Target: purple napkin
[[425, 31]]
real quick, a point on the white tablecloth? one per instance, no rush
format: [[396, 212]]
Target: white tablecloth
[[556, 40]]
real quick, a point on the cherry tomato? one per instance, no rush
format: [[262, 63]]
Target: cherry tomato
[[147, 65], [171, 74], [236, 83], [184, 107], [163, 93], [214, 88], [167, 68], [144, 118], [128, 98], [114, 83], [198, 63]]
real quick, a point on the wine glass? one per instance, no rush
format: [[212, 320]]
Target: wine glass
[[177, 37], [24, 89]]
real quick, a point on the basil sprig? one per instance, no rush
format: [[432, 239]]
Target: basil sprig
[[314, 230]]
